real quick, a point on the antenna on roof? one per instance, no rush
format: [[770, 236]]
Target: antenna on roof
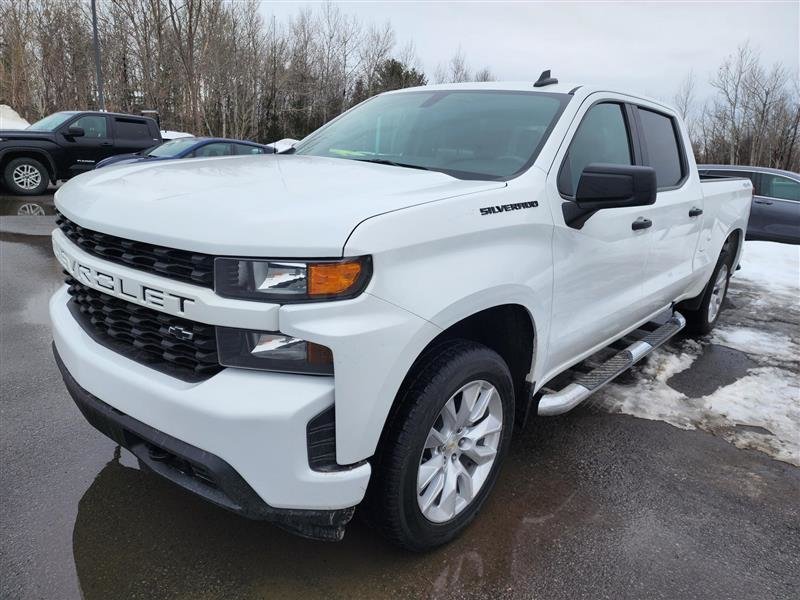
[[545, 79]]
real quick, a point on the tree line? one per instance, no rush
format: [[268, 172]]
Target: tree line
[[220, 68]]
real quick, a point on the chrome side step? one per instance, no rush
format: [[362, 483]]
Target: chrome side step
[[561, 401]]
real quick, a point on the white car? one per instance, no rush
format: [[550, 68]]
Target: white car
[[366, 317]]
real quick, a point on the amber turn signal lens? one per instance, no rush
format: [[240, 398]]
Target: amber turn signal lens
[[328, 279]]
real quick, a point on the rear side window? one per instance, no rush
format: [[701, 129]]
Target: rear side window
[[777, 186], [663, 152], [132, 130], [245, 149], [602, 137], [215, 149]]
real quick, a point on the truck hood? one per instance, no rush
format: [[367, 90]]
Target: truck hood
[[24, 134], [274, 205]]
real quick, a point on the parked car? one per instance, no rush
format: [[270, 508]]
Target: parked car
[[68, 143], [366, 316], [190, 147], [775, 213]]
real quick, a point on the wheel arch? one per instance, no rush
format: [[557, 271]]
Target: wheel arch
[[10, 154]]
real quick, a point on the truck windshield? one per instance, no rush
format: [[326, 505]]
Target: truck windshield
[[172, 147], [50, 122], [470, 134]]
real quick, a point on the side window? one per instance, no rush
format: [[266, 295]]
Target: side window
[[245, 149], [777, 186], [94, 126], [217, 149], [663, 152], [602, 137], [128, 129]]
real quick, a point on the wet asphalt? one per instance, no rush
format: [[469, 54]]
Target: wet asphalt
[[588, 505]]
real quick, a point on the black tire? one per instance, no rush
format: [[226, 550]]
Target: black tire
[[392, 498], [699, 320], [35, 187]]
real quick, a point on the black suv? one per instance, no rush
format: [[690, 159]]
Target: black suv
[[68, 143]]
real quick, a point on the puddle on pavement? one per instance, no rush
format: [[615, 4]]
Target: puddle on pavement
[[27, 206], [716, 367]]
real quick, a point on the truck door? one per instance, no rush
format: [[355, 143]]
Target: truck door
[[132, 135], [598, 267], [83, 152], [776, 208], [677, 214]]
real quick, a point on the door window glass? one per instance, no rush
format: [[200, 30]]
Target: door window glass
[[245, 149], [601, 138], [93, 126], [663, 151], [217, 149], [777, 186]]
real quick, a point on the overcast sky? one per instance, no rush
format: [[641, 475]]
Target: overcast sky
[[643, 47]]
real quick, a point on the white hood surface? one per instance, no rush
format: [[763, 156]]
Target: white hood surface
[[271, 206]]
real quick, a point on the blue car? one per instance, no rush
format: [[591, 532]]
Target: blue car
[[189, 147]]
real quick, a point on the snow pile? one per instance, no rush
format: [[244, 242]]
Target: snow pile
[[167, 134], [9, 119], [760, 410]]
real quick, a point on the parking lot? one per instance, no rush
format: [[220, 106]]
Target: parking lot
[[597, 503]]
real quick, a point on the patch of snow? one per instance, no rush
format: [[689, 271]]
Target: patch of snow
[[768, 396], [167, 134], [10, 119], [772, 266], [757, 342]]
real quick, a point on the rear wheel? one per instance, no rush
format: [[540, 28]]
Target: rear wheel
[[442, 450], [26, 176], [703, 319]]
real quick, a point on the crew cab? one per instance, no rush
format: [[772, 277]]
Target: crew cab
[[68, 143], [368, 316]]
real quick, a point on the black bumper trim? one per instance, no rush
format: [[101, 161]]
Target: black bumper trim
[[198, 471]]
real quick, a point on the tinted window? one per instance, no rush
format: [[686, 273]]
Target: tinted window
[[662, 147], [217, 149], [93, 126], [601, 138], [467, 134], [172, 147], [245, 149], [132, 130], [777, 186]]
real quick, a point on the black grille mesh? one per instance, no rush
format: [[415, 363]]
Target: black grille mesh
[[181, 265], [141, 334]]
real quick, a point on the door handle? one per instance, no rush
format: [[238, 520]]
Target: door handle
[[641, 223], [767, 202], [695, 212], [106, 144]]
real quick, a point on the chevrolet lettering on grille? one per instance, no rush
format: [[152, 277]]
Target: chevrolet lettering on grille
[[115, 285]]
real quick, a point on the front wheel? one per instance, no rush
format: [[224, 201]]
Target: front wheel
[[442, 450], [26, 176], [703, 319]]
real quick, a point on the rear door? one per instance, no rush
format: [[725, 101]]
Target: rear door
[[776, 208], [84, 152], [599, 264], [677, 214]]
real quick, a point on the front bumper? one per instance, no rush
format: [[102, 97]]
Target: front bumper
[[252, 422]]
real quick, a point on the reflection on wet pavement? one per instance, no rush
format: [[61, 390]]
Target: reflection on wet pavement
[[588, 505], [26, 206]]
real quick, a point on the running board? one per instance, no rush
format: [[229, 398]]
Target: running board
[[559, 402]]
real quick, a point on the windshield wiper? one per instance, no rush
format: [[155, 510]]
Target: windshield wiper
[[383, 161]]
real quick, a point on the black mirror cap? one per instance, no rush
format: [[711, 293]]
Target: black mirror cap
[[76, 132], [614, 186]]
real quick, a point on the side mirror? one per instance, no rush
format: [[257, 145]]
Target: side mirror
[[76, 132], [614, 186]]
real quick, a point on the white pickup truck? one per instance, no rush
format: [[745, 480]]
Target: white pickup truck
[[367, 316]]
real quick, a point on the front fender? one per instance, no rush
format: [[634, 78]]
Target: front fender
[[28, 151]]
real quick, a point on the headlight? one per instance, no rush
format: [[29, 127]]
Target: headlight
[[291, 281], [272, 351]]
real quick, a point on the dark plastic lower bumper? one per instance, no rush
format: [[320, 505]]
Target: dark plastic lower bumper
[[198, 471]]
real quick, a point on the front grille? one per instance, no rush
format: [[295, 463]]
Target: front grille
[[180, 265], [141, 334]]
